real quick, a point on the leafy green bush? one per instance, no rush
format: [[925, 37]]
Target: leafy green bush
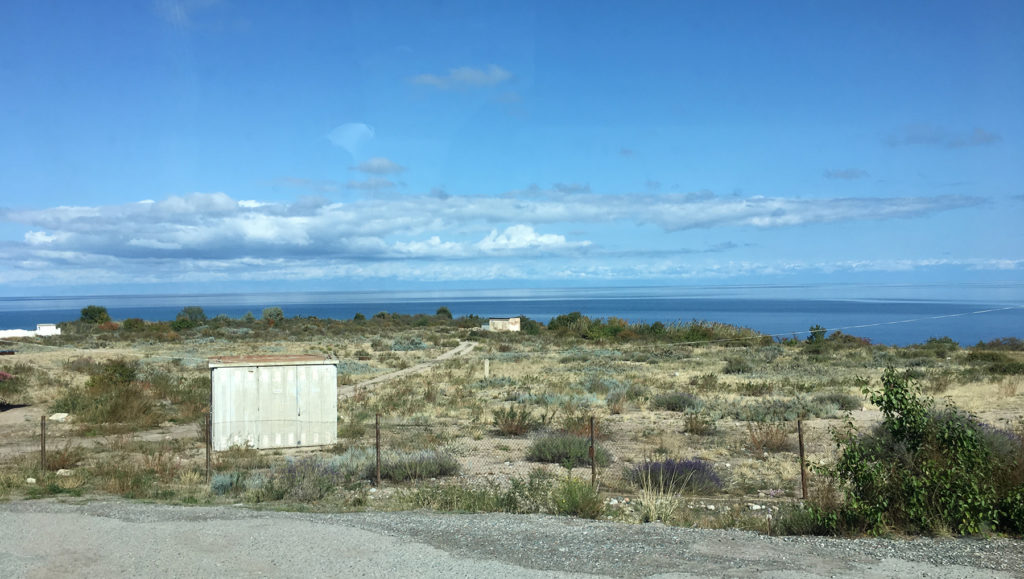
[[133, 324], [94, 315], [920, 471], [566, 450], [273, 315], [188, 318]]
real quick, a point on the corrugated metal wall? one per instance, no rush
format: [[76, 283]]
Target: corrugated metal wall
[[275, 406]]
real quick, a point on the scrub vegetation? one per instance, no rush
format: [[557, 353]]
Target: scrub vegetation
[[695, 423]]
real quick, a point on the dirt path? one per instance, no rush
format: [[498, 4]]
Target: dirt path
[[461, 350]]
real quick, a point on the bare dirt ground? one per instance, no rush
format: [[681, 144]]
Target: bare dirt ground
[[105, 538], [462, 349]]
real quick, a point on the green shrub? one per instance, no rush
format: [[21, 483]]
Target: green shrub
[[762, 388], [273, 315], [11, 386], [699, 423], [94, 315], [515, 420], [111, 396], [676, 476], [417, 465], [676, 402], [840, 400], [567, 450], [133, 324], [532, 495], [705, 382], [737, 365], [575, 497], [920, 471], [765, 437]]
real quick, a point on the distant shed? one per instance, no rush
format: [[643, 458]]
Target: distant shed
[[503, 324], [273, 401]]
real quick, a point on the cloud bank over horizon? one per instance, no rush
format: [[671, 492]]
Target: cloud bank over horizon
[[534, 233]]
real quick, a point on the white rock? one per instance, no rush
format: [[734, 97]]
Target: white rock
[[65, 472], [30, 481], [58, 417]]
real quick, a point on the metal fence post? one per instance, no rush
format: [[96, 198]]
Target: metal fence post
[[803, 461], [377, 428], [208, 429], [42, 442], [593, 463]]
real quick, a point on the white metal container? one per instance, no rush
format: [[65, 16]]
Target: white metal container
[[273, 401]]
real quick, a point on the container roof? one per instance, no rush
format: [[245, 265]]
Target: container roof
[[271, 360]]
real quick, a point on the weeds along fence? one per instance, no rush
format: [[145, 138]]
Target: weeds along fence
[[394, 450]]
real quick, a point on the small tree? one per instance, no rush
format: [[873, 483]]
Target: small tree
[[273, 315], [817, 335], [189, 317], [444, 313], [359, 317], [95, 315]]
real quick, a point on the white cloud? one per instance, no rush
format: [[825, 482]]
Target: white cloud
[[926, 134], [845, 174], [371, 184], [39, 238], [351, 136], [181, 12], [465, 76], [432, 247], [518, 237], [379, 166]]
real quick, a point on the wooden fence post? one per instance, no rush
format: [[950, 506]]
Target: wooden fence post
[[377, 428], [593, 462], [208, 429]]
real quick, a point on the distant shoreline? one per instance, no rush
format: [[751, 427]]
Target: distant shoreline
[[887, 321]]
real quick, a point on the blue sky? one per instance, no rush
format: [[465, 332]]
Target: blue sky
[[201, 145]]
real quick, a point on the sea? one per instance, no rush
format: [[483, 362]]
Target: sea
[[893, 315]]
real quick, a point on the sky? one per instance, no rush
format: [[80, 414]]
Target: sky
[[182, 146]]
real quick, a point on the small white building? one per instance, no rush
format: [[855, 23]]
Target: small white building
[[47, 330], [503, 324], [41, 330], [273, 401]]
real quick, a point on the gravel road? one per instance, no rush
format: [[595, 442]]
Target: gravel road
[[104, 538]]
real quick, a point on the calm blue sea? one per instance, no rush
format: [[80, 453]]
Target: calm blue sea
[[897, 315]]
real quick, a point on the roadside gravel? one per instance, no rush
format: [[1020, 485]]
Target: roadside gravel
[[115, 538]]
